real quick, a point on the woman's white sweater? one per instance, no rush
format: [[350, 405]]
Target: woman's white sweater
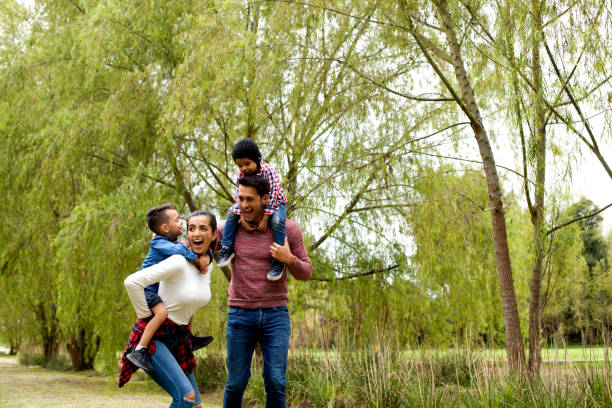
[[182, 287]]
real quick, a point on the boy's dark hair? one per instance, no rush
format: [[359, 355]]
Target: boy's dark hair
[[253, 180], [213, 223], [156, 216], [247, 148]]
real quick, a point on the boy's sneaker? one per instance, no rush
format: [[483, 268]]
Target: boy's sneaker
[[199, 342], [226, 254], [141, 359], [276, 270]]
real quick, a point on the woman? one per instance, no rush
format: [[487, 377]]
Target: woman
[[184, 290]]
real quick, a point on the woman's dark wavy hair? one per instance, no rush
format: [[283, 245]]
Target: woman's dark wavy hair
[[213, 223]]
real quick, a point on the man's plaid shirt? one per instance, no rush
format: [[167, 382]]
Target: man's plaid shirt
[[183, 354], [276, 195]]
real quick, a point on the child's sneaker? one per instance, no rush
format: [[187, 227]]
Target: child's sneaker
[[276, 270], [199, 342], [140, 358], [226, 254]]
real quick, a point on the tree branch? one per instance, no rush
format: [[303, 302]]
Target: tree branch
[[593, 146], [342, 13], [355, 275], [468, 161], [373, 81], [347, 211], [113, 162], [438, 71], [578, 219]]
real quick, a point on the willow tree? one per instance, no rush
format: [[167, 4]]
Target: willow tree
[[527, 55], [452, 235], [583, 312], [274, 76], [435, 29], [33, 206], [293, 79], [85, 135], [141, 112]]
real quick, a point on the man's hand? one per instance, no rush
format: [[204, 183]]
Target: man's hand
[[245, 224], [262, 225], [282, 253]]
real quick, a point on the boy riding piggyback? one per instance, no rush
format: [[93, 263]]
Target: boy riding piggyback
[[167, 226]]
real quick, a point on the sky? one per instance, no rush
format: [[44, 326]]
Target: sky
[[592, 181], [588, 179]]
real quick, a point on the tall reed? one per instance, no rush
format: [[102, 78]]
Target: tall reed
[[385, 377]]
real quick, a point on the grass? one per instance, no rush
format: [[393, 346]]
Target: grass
[[385, 377]]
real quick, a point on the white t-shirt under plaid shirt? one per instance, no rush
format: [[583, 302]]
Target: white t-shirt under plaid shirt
[[276, 195]]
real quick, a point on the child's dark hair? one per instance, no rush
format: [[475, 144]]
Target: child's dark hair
[[212, 220], [253, 180], [247, 148], [156, 216]]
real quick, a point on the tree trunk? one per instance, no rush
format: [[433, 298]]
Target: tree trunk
[[537, 212], [535, 309], [15, 339], [48, 326], [514, 342], [81, 352], [291, 184], [180, 182]]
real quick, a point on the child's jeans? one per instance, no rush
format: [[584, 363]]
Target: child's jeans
[[277, 224]]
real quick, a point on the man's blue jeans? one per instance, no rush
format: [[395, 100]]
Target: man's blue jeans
[[270, 327], [277, 224], [169, 375]]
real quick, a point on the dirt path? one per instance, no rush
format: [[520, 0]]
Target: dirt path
[[26, 387]]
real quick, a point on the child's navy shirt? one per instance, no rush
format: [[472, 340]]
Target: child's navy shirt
[[162, 248]]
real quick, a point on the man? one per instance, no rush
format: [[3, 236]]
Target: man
[[258, 307]]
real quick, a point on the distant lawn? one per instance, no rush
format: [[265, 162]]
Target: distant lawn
[[573, 354]]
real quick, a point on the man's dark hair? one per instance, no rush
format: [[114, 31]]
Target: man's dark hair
[[253, 180], [156, 216]]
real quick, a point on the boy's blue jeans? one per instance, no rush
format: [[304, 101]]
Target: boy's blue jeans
[[169, 375], [277, 224], [270, 327]]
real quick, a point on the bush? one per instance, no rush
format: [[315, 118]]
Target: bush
[[31, 358], [211, 372], [60, 362]]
